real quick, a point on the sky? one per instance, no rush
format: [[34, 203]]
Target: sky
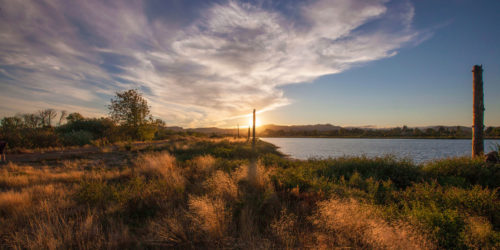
[[209, 63]]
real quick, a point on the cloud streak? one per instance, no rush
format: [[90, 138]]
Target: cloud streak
[[217, 64]]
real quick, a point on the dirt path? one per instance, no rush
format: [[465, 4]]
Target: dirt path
[[112, 155]]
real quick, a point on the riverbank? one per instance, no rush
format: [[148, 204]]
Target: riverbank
[[197, 193]]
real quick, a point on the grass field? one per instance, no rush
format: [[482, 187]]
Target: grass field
[[191, 192]]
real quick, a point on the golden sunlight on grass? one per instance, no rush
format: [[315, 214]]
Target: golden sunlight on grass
[[197, 193]]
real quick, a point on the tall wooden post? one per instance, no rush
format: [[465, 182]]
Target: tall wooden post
[[478, 111], [253, 135], [252, 167]]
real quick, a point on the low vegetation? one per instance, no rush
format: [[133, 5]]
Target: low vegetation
[[194, 192]]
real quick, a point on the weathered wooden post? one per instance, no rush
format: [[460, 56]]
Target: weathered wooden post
[[253, 138], [252, 167], [478, 111]]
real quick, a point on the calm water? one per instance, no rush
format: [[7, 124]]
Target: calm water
[[420, 150]]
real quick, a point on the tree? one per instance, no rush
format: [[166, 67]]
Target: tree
[[31, 120], [130, 108], [62, 117], [74, 117], [46, 116]]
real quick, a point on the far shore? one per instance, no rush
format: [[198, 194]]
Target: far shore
[[353, 137]]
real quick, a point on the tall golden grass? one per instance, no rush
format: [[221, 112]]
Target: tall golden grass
[[348, 223], [159, 201]]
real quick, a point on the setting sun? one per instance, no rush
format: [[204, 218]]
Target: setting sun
[[257, 121]]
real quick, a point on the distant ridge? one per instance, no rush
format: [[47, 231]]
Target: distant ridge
[[317, 127], [314, 127], [329, 130]]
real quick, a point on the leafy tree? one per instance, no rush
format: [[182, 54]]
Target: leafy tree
[[12, 123], [31, 120], [74, 117], [131, 110]]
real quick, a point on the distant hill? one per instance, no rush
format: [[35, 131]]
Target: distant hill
[[286, 128], [263, 128], [329, 130]]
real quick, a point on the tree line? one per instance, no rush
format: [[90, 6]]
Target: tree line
[[398, 132], [129, 119]]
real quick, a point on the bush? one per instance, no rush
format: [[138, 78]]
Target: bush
[[99, 128], [464, 171], [146, 132], [79, 138]]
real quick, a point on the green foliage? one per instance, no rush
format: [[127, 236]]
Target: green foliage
[[79, 138], [224, 149], [439, 196], [146, 132], [74, 117], [129, 108], [464, 171]]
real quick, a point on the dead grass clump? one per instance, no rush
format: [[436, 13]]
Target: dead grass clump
[[172, 229], [348, 223], [285, 229], [13, 181], [259, 176], [211, 216], [161, 165], [15, 176], [205, 163], [221, 185], [12, 202], [200, 167], [56, 229]]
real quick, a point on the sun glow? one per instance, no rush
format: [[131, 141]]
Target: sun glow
[[257, 121]]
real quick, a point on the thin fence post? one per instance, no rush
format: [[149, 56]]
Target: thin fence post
[[253, 139]]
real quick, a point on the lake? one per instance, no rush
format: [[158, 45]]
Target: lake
[[419, 150]]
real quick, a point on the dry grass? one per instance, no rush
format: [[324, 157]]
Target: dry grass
[[221, 185], [160, 202], [17, 176], [53, 229], [12, 202], [211, 216], [348, 223], [257, 175], [285, 229], [161, 165], [200, 167]]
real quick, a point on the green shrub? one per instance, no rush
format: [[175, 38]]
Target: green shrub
[[95, 193], [401, 172], [146, 132], [79, 138], [464, 171], [446, 225]]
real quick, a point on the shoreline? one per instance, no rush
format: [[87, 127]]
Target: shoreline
[[416, 138]]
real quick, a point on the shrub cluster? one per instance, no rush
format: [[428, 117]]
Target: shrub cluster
[[21, 132]]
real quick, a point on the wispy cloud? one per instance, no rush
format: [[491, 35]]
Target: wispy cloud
[[218, 63]]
